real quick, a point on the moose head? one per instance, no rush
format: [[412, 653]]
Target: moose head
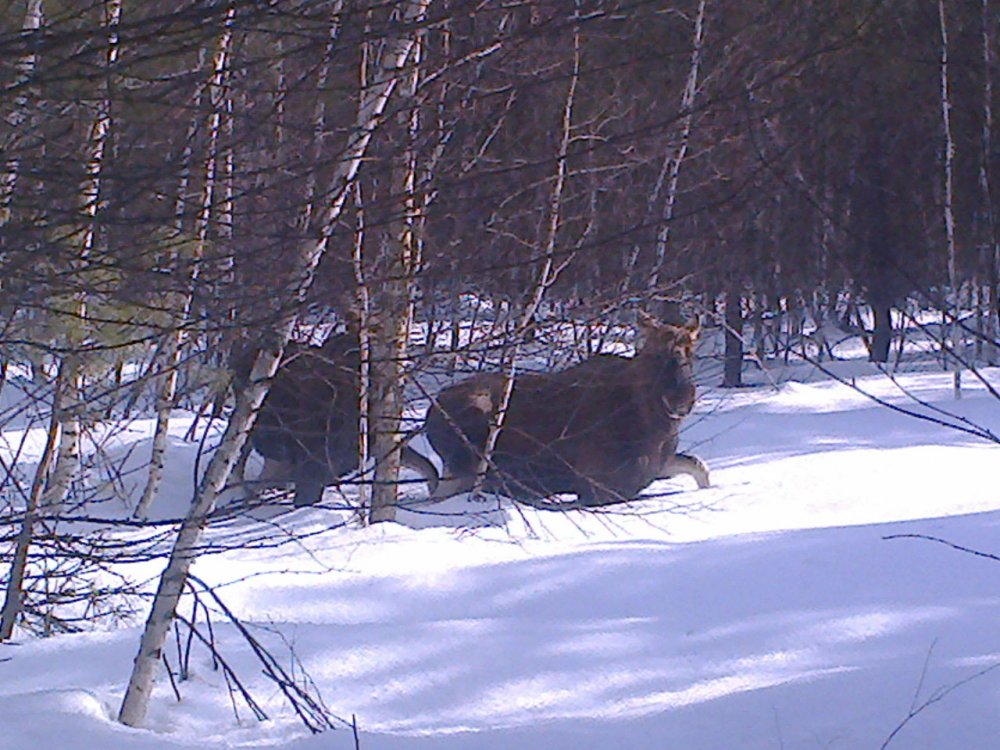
[[666, 363]]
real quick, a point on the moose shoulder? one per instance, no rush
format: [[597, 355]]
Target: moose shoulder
[[307, 428], [603, 429]]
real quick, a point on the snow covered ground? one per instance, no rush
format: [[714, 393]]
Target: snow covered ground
[[770, 612]]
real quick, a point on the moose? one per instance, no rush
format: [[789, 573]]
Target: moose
[[603, 429], [307, 429]]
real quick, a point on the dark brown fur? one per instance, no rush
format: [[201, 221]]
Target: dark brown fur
[[307, 429], [603, 429]]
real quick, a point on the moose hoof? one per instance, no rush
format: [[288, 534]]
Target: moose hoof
[[682, 463]]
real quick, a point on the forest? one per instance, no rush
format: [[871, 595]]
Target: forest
[[460, 185]]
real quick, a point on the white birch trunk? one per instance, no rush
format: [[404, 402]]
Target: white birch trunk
[[174, 577], [989, 299], [363, 303], [14, 594], [319, 110], [184, 181], [18, 117], [171, 356], [546, 277], [65, 404], [673, 165], [70, 383], [394, 313], [388, 329], [670, 169], [185, 549], [951, 318]]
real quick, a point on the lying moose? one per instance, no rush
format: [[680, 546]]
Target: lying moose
[[603, 429], [307, 428]]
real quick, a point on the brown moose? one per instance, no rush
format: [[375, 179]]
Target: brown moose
[[307, 428], [603, 429]]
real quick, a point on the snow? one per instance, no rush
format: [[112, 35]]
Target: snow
[[768, 612]]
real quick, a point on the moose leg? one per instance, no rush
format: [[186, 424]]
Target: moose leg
[[240, 468], [310, 481], [273, 474], [413, 460], [682, 463], [450, 485], [458, 473]]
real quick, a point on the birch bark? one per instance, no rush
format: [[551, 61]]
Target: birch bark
[[319, 111], [670, 169], [18, 118], [63, 442], [547, 275], [951, 319], [171, 354], [990, 301], [70, 381], [672, 165], [391, 316], [372, 104], [14, 594], [363, 303]]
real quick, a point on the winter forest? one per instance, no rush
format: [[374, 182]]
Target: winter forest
[[370, 223]]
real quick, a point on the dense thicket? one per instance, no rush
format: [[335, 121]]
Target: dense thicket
[[812, 159], [178, 176]]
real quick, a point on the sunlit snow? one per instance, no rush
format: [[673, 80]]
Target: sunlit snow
[[767, 612]]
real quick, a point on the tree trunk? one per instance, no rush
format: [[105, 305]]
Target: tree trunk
[[14, 595], [171, 352], [319, 112], [677, 159], [953, 327], [17, 119], [389, 330], [174, 577], [881, 331], [732, 372], [671, 167], [991, 303], [988, 298], [185, 549], [70, 385], [392, 311], [363, 305]]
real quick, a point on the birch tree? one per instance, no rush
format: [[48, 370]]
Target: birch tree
[[172, 347], [548, 272], [951, 319], [390, 311], [14, 593], [991, 304], [668, 177], [63, 441], [363, 304], [69, 383], [371, 107], [17, 119], [671, 169]]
